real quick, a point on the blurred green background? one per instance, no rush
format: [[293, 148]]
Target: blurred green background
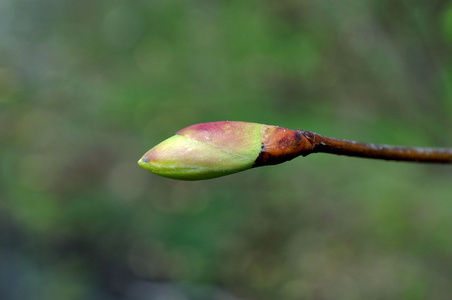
[[87, 87]]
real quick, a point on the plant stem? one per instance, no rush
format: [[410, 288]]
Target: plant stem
[[323, 144]]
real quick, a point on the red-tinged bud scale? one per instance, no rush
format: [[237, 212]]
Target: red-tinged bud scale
[[210, 150], [281, 144]]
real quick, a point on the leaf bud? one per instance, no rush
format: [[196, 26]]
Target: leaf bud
[[215, 149]]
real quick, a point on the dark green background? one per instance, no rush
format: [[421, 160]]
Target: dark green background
[[86, 87]]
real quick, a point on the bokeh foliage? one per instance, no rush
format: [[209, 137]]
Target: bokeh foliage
[[86, 87]]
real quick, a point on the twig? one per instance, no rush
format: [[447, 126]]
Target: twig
[[323, 144]]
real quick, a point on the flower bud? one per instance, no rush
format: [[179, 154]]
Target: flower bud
[[210, 150]]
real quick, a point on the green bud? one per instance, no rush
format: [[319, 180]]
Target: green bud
[[206, 150]]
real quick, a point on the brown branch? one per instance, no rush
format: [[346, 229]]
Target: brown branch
[[323, 144]]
